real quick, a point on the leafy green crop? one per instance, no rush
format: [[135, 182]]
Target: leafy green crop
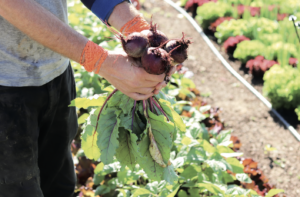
[[196, 160], [281, 50], [249, 49], [135, 132], [237, 2], [183, 2], [249, 28], [269, 39], [282, 86], [209, 12]]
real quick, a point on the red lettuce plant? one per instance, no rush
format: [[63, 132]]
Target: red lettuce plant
[[220, 20], [293, 61], [192, 5], [231, 43], [259, 65], [254, 11]]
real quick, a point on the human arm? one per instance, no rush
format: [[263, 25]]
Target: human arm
[[118, 18], [45, 28]]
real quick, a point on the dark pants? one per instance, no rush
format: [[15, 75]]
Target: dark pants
[[36, 131]]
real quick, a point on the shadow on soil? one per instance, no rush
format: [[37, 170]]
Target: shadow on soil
[[289, 115]]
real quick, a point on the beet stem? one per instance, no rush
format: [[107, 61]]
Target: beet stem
[[151, 104], [159, 107], [113, 92], [133, 115], [145, 110]]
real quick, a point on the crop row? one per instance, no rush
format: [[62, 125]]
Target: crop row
[[263, 35], [205, 157]]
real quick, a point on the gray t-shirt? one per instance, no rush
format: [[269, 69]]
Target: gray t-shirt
[[24, 62]]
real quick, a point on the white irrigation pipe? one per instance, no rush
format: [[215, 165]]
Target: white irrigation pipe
[[231, 70]]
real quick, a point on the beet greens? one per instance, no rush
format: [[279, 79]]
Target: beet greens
[[139, 132], [135, 132]]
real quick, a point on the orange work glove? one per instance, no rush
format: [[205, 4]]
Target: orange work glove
[[92, 57], [137, 24]]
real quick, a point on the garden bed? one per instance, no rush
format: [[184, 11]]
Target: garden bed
[[241, 110]]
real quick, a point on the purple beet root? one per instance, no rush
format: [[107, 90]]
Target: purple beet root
[[156, 61], [135, 44]]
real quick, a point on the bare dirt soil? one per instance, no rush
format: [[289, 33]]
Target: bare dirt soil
[[241, 110]]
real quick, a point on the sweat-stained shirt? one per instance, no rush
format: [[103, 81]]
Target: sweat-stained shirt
[[24, 62]]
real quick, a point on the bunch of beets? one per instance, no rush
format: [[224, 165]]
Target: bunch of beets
[[139, 132], [154, 50]]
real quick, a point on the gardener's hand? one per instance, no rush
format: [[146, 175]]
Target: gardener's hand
[[125, 74]]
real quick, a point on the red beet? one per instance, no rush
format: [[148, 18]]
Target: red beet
[[178, 49], [135, 44], [156, 38], [156, 61]]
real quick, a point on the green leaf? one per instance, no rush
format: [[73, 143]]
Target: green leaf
[[182, 193], [96, 100], [102, 189], [236, 191], [186, 141], [191, 171], [145, 160], [224, 136], [187, 83], [162, 131], [168, 98], [99, 168], [217, 166], [98, 179], [273, 192], [207, 147], [243, 177], [210, 187], [237, 167], [194, 192], [110, 168], [154, 186], [227, 155], [82, 118], [91, 150], [203, 133], [109, 88], [127, 151], [138, 125], [121, 101], [108, 131], [126, 176], [123, 193], [89, 137], [174, 192], [172, 115], [170, 175], [227, 177], [224, 149], [196, 154], [140, 191], [216, 156]]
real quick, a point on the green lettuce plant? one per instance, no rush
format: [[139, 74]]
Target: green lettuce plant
[[282, 86], [249, 49], [209, 12]]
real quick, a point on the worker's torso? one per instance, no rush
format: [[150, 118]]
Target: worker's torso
[[24, 62]]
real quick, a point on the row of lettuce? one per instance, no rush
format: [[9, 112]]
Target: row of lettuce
[[264, 36], [203, 156]]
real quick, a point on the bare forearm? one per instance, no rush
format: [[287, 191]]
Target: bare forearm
[[122, 13], [43, 27]]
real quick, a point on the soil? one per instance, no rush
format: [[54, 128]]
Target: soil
[[246, 115]]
